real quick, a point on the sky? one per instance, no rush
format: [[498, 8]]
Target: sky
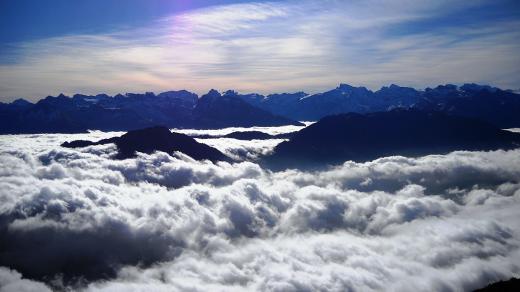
[[97, 46]]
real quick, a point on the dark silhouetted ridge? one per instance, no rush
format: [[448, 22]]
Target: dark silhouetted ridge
[[512, 285], [156, 139], [364, 137], [248, 135]]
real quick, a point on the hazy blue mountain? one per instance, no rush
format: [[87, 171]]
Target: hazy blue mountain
[[62, 114], [363, 137], [343, 99], [51, 114], [395, 96], [280, 104], [215, 110], [20, 104], [500, 107], [494, 105], [301, 106]]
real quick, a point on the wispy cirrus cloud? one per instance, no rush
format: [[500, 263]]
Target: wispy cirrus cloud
[[275, 46]]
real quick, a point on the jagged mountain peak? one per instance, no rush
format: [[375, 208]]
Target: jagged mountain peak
[[21, 102], [213, 93], [348, 87], [477, 87], [230, 92]]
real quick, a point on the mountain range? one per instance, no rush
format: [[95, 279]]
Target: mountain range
[[499, 107], [183, 109], [174, 109]]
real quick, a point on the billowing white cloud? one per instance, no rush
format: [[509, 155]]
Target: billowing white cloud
[[225, 131], [12, 281], [275, 46], [162, 223], [242, 149]]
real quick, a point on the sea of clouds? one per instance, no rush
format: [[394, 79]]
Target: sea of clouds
[[77, 219]]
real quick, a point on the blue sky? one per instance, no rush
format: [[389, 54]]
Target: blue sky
[[54, 46], [24, 20]]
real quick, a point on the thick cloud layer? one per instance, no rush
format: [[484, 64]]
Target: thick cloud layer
[[12, 281], [77, 218]]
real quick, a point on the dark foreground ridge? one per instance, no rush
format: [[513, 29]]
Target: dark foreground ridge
[[359, 137], [156, 139], [512, 285], [248, 135]]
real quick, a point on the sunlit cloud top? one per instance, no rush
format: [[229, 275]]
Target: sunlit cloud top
[[276, 46]]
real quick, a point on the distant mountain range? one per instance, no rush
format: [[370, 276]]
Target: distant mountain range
[[183, 109], [499, 107], [180, 109], [408, 132]]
